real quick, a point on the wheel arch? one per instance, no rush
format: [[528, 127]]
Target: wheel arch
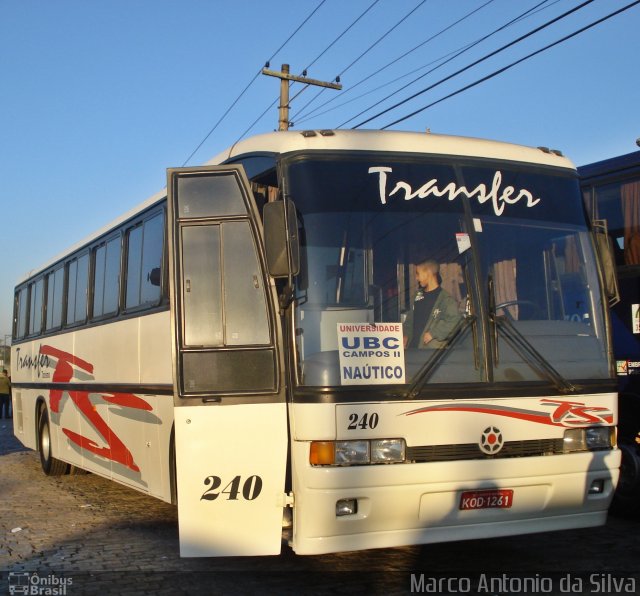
[[51, 466], [41, 403]]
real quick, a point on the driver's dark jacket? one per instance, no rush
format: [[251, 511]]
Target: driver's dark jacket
[[441, 321]]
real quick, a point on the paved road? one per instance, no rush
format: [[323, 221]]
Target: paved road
[[102, 538]]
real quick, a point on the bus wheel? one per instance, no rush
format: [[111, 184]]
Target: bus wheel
[[626, 500], [50, 465]]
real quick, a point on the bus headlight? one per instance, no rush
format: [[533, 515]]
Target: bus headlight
[[593, 438], [355, 453], [352, 453], [384, 451], [600, 437]]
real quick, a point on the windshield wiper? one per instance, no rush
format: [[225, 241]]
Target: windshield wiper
[[427, 369], [522, 345]]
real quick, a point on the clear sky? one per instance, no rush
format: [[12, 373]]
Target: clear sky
[[100, 97]]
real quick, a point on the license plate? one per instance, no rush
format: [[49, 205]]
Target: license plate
[[486, 499]]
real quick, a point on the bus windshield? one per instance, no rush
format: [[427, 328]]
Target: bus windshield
[[504, 245]]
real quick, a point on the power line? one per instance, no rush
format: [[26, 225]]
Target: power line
[[505, 68], [450, 57], [237, 99], [378, 71], [353, 23], [316, 114], [298, 29], [475, 63], [375, 43], [342, 34], [311, 64], [261, 116], [442, 59]]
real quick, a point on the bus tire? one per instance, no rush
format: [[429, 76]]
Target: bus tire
[[50, 465], [626, 500]]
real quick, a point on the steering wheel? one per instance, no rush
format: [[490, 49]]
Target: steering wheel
[[534, 308]]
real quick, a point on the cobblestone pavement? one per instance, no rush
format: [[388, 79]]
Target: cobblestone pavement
[[103, 538]]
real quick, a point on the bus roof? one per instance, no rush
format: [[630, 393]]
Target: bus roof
[[283, 142], [376, 140], [614, 166]]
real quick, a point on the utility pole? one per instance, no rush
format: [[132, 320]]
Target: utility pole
[[285, 77]]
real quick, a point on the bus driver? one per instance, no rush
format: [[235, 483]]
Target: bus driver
[[434, 313]]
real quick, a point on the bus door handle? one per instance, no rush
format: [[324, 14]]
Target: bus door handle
[[187, 285]]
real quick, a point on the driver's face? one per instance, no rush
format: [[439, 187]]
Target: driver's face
[[423, 276]]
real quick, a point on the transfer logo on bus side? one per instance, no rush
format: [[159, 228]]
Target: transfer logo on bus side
[[114, 449]]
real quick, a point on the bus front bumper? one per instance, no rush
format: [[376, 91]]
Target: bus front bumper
[[405, 504]]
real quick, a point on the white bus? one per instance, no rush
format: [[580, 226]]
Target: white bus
[[236, 345]]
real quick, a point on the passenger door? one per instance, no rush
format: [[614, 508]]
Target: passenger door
[[230, 410]]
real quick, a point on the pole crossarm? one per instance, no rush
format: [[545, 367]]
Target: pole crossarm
[[307, 81], [285, 76]]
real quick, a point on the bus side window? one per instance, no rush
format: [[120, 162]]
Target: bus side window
[[77, 287], [106, 278], [243, 288], [222, 273], [55, 287], [195, 193], [134, 255], [144, 263], [20, 320], [152, 251], [35, 318]]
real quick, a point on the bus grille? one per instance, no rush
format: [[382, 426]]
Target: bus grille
[[431, 453]]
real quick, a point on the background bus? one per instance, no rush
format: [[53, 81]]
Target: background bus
[[236, 344], [611, 191]]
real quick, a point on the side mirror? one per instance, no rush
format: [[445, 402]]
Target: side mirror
[[281, 238], [604, 247]]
